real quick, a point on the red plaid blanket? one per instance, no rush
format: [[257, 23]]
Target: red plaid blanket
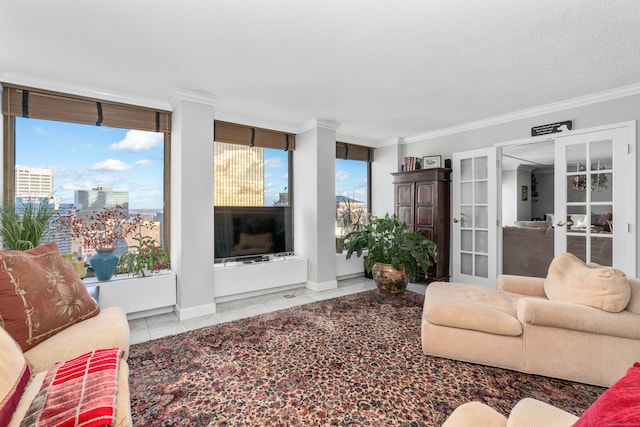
[[78, 392]]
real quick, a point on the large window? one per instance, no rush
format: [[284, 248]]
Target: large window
[[252, 191], [86, 155], [353, 191]]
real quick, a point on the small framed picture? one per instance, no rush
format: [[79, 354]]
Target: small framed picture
[[524, 193], [430, 162]]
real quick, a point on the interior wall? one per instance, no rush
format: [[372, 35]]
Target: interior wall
[[543, 203], [523, 193], [626, 108], [509, 204]]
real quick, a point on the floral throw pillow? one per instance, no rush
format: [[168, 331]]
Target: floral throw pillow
[[40, 295]]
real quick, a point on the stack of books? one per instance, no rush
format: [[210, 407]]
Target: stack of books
[[412, 163]]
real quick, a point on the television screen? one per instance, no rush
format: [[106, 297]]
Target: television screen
[[251, 231]]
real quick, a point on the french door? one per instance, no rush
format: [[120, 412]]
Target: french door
[[595, 196], [474, 226]]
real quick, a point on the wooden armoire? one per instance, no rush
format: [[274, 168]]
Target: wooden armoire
[[422, 200]]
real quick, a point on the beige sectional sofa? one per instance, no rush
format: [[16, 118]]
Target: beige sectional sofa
[[580, 323], [108, 329]]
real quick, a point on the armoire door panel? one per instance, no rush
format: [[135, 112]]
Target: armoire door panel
[[424, 193], [404, 195], [424, 215]]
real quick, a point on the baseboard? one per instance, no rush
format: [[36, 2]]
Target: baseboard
[[197, 311], [322, 286]]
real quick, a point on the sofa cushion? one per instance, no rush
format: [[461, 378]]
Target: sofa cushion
[[472, 307], [14, 376], [618, 406], [40, 295], [81, 391], [571, 280]]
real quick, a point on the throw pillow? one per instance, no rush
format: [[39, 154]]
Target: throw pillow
[[14, 376], [40, 295], [618, 406], [571, 280], [78, 392]]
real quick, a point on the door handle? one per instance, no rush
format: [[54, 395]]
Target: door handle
[[456, 220]]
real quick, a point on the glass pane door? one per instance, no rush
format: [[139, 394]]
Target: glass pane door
[[595, 177], [474, 225]]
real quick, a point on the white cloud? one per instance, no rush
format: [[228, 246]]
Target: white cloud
[[274, 162], [143, 162], [342, 176], [110, 165], [138, 140]]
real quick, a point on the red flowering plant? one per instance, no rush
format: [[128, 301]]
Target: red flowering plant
[[146, 256], [100, 229]]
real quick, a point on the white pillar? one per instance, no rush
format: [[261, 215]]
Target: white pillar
[[314, 202], [192, 202], [388, 159]]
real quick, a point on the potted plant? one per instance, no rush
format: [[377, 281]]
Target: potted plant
[[349, 217], [101, 230], [24, 227], [394, 253], [143, 258]]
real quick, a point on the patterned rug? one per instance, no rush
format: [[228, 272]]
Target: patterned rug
[[349, 361]]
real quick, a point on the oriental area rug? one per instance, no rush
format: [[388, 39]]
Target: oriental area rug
[[349, 361]]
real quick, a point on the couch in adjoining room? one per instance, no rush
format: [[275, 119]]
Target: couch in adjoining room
[[49, 326], [580, 323]]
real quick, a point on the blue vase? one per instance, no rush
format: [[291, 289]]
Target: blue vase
[[104, 264]]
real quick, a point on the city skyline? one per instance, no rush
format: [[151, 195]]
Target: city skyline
[[83, 157]]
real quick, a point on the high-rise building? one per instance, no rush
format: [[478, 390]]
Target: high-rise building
[[33, 182], [238, 175], [100, 198]]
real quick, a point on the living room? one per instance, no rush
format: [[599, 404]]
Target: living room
[[412, 80]]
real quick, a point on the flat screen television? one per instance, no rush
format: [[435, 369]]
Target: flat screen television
[[243, 232]]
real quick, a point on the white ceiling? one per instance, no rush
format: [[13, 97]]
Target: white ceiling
[[380, 69]]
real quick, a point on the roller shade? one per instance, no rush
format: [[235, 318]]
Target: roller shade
[[40, 104], [353, 152], [234, 133]]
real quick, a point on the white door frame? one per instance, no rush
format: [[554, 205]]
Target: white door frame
[[630, 197]]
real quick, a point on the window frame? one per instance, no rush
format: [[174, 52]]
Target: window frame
[[119, 110]]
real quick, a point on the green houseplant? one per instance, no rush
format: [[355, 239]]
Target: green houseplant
[[147, 256], [388, 241], [24, 227]]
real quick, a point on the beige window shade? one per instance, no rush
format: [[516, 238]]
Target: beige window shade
[[233, 133], [39, 104], [353, 152]]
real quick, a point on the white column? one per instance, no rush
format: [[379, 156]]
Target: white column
[[192, 202], [387, 160], [314, 202]]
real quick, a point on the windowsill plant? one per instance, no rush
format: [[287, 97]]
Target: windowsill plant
[[145, 257]]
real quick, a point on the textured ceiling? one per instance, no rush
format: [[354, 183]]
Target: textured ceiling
[[380, 69]]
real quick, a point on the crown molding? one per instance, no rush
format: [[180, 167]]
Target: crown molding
[[320, 123], [355, 140], [180, 95], [581, 101], [73, 89]]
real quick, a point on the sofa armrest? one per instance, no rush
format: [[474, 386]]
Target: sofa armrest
[[578, 317], [534, 413], [108, 329], [525, 285], [475, 414]]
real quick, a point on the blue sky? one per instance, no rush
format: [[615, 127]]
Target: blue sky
[[84, 157]]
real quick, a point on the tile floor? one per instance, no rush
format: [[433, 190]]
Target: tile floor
[[147, 328]]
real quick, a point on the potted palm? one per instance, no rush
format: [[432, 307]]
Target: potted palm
[[394, 253]]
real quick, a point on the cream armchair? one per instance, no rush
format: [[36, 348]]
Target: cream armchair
[[580, 323]]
